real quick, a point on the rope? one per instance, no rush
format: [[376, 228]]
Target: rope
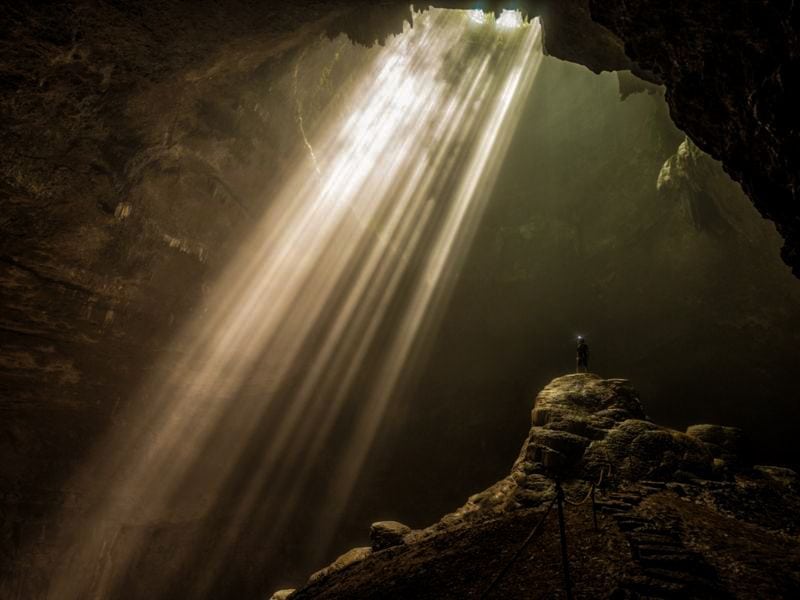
[[516, 554], [538, 525], [588, 493]]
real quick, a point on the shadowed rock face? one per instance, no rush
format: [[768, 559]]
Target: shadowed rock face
[[137, 144], [657, 535], [730, 71], [582, 425]]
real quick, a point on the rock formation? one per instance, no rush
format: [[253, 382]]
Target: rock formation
[[680, 515]]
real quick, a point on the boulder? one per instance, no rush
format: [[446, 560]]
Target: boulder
[[583, 425], [727, 443], [543, 442], [643, 450], [782, 475], [385, 534], [350, 557], [282, 594]]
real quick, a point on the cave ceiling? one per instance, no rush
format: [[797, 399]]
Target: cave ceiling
[[729, 71]]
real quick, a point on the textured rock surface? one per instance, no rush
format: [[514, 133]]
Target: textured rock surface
[[725, 443], [582, 425], [707, 536], [385, 534], [730, 71], [347, 559], [139, 140]]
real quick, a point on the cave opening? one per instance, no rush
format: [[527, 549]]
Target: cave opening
[[353, 267]]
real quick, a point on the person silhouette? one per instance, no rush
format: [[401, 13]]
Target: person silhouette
[[582, 356]]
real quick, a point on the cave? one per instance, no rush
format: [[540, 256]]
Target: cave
[[291, 294]]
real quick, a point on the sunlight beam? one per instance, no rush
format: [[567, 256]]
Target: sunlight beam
[[328, 306]]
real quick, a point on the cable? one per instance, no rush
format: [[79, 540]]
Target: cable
[[588, 493], [538, 525], [516, 554]]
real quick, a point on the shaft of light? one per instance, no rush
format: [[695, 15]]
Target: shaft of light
[[365, 239]]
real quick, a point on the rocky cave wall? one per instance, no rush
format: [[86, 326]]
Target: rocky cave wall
[[141, 138], [730, 73], [140, 141]]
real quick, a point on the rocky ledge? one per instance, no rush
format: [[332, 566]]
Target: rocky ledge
[[680, 514]]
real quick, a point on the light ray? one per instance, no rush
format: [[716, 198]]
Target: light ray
[[327, 307]]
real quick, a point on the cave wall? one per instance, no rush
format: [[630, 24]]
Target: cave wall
[[142, 138], [730, 71]]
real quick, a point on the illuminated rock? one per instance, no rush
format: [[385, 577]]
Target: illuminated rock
[[347, 559], [669, 526], [385, 534], [728, 443]]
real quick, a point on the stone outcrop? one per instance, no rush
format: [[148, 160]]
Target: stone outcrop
[[583, 425], [347, 559], [662, 508], [385, 534], [728, 444], [728, 69]]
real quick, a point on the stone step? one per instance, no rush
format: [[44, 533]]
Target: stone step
[[632, 516], [629, 525], [658, 547], [649, 489], [654, 532], [656, 588], [612, 502], [663, 552], [613, 508], [696, 582], [630, 498], [656, 484], [686, 563], [655, 536]]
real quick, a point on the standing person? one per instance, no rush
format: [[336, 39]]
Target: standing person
[[582, 357]]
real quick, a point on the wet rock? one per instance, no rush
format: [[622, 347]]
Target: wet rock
[[385, 534], [546, 444], [282, 594], [583, 423]]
